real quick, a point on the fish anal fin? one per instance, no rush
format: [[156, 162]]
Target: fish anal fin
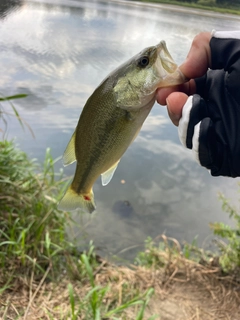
[[72, 201], [107, 175], [69, 155]]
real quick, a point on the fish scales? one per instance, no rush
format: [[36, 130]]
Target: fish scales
[[97, 146]]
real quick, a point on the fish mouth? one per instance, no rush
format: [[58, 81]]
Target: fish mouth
[[168, 70], [167, 61]]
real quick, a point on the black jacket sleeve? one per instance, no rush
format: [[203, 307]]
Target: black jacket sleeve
[[213, 124]]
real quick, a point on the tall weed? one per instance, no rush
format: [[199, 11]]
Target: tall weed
[[230, 249], [32, 229]]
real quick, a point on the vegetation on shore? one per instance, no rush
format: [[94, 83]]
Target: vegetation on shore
[[44, 276], [34, 247], [221, 6], [37, 260]]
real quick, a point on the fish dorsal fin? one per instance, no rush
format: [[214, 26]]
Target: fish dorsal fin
[[69, 155], [107, 175]]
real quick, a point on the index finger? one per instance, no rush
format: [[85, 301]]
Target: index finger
[[162, 93]]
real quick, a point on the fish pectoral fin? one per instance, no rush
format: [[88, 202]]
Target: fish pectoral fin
[[107, 175], [69, 155], [126, 94]]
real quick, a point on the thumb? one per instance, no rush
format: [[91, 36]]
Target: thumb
[[199, 57], [175, 102]]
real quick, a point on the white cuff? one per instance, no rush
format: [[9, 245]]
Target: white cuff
[[183, 122]]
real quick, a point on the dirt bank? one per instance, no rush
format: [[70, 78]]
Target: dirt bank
[[184, 290]]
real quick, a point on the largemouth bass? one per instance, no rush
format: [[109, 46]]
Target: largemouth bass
[[111, 120]]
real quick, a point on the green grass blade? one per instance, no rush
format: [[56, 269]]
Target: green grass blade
[[71, 298], [89, 270], [16, 96]]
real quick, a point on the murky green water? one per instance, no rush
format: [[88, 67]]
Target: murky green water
[[57, 53]]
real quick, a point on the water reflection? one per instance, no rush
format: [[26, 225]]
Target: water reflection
[[58, 54], [7, 6]]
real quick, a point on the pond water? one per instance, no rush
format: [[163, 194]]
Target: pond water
[[58, 52]]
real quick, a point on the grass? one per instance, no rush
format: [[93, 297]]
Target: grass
[[101, 290], [34, 247], [96, 303], [44, 276], [5, 102], [202, 4], [230, 248], [32, 230]]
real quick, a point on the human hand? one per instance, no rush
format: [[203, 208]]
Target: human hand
[[207, 107]]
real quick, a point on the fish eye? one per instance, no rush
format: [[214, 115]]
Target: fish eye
[[143, 61]]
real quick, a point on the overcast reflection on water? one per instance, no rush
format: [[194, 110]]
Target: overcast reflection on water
[[57, 53]]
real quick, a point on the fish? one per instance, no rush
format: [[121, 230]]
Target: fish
[[112, 118]]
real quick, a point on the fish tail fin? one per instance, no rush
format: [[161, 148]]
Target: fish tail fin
[[72, 200]]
